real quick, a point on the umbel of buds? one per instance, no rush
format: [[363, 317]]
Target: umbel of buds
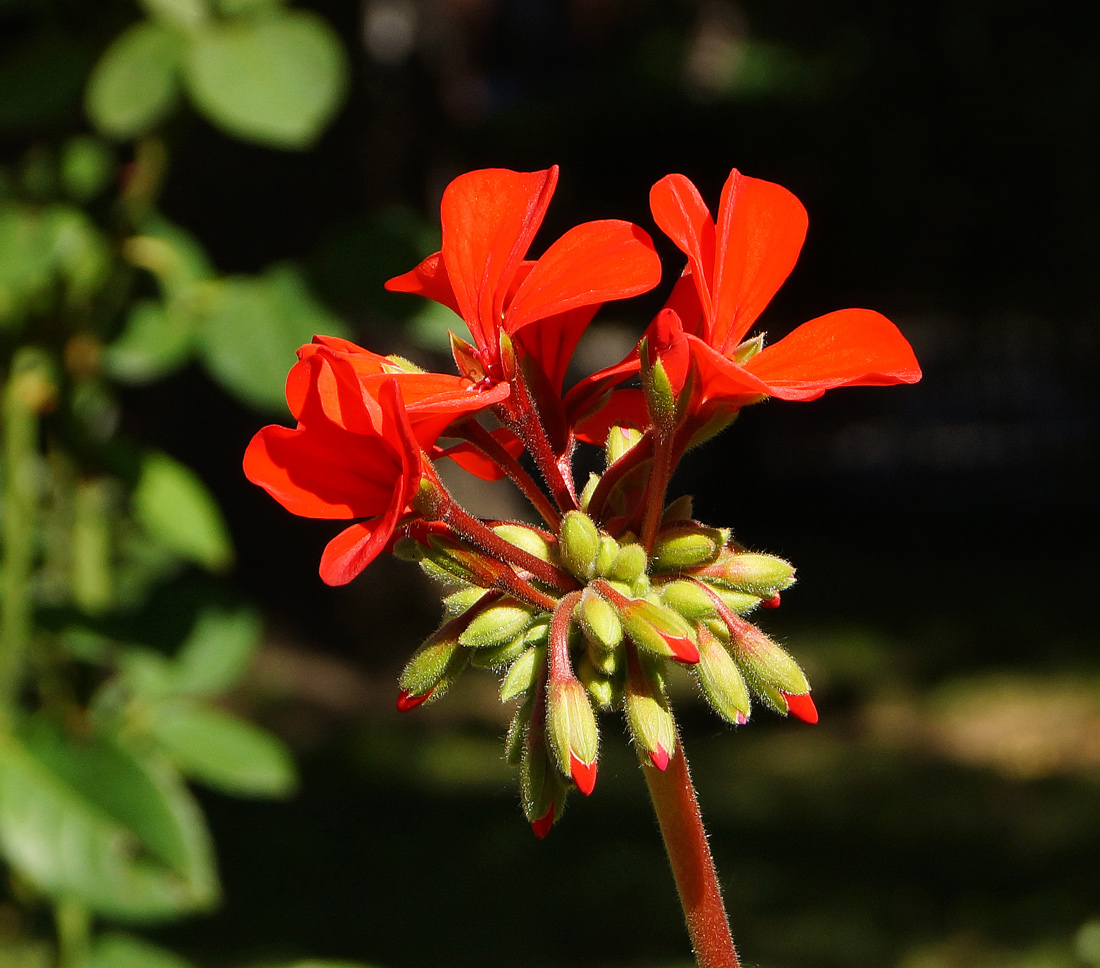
[[606, 644], [583, 615]]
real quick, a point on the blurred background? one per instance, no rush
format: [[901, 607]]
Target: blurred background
[[200, 761]]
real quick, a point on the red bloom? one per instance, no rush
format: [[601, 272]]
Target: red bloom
[[734, 268], [489, 220], [345, 459]]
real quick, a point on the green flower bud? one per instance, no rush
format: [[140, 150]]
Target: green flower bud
[[572, 731], [650, 720], [579, 544], [599, 620], [619, 441], [686, 546], [434, 667], [660, 397], [497, 625], [598, 683], [517, 733], [609, 548], [629, 564], [688, 598], [443, 561], [541, 787], [764, 662], [721, 680], [457, 602], [526, 539], [658, 630], [678, 510], [589, 489], [498, 656], [523, 674], [737, 602], [760, 575], [408, 549]]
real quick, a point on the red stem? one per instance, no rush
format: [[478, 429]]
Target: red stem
[[685, 840], [656, 489], [614, 475], [524, 422], [491, 448]]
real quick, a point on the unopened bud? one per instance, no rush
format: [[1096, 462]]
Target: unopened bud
[[516, 739], [599, 620], [433, 668], [599, 685], [688, 598], [498, 656], [721, 680], [408, 549], [579, 544], [619, 441], [678, 510], [605, 558], [660, 397], [764, 661], [737, 602], [574, 736], [802, 707], [629, 564], [658, 630], [447, 561], [589, 489], [542, 789], [497, 625], [526, 539], [760, 575], [457, 602], [650, 721], [686, 546], [523, 674]]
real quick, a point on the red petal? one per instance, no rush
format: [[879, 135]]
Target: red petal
[[590, 264], [802, 707], [852, 347], [551, 341], [489, 219], [427, 279], [323, 472], [773, 602], [584, 774], [680, 212], [474, 461], [659, 758], [407, 701], [323, 385], [682, 648], [542, 826], [761, 228], [623, 408]]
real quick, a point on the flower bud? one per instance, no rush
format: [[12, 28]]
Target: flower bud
[[629, 564], [721, 680], [523, 673], [574, 736], [526, 539], [408, 549], [660, 396], [579, 544], [619, 441], [497, 625], [737, 602], [599, 620], [514, 742], [764, 661], [688, 598], [605, 558], [446, 561], [686, 546], [650, 720], [432, 669], [457, 602], [542, 790], [498, 656], [589, 489], [599, 685], [760, 575], [658, 630]]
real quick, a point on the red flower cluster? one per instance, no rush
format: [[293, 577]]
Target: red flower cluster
[[586, 609]]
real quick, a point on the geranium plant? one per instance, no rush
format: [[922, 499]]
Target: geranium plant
[[585, 612]]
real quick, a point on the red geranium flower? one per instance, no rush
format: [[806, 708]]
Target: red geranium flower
[[734, 268], [489, 220], [365, 463]]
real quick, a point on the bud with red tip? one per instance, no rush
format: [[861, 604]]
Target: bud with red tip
[[651, 626], [571, 728], [764, 662], [743, 571], [431, 670], [648, 716]]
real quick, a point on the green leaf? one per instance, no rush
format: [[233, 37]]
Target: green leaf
[[156, 340], [94, 822], [134, 85], [87, 165], [236, 8], [26, 261], [174, 506], [116, 950], [222, 751], [276, 80], [251, 329], [217, 651]]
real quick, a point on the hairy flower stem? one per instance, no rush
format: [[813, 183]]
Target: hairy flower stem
[[491, 448], [685, 840], [657, 487], [614, 475], [525, 424]]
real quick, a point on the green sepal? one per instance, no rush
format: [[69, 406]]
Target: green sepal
[[609, 550], [688, 599], [497, 625], [686, 546], [525, 538], [579, 544], [458, 602], [765, 662], [589, 489], [629, 564], [720, 679], [523, 673], [599, 621], [434, 667], [571, 724], [648, 716], [517, 733]]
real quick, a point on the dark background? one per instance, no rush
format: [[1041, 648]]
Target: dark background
[[946, 811]]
